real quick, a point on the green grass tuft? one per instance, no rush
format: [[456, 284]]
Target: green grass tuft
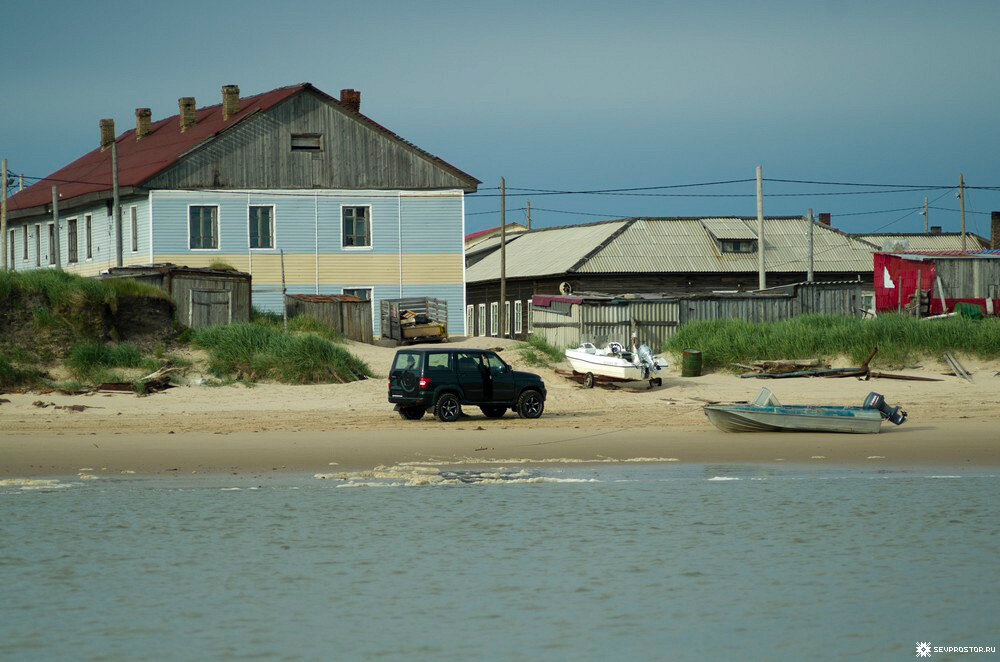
[[538, 352], [901, 340], [12, 376], [88, 361], [263, 352]]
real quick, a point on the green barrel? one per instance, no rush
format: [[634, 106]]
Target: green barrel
[[691, 363]]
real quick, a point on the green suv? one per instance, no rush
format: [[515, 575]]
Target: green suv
[[442, 380]]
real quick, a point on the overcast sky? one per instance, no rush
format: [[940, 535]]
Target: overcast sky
[[563, 95]]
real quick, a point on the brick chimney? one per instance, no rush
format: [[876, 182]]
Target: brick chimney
[[351, 99], [230, 101], [107, 133], [143, 122], [186, 106], [824, 218], [995, 230], [935, 229]]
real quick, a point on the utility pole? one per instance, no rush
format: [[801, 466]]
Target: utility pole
[[927, 218], [117, 204], [809, 271], [3, 216], [54, 248], [20, 183], [961, 204], [503, 255], [761, 269], [529, 215]]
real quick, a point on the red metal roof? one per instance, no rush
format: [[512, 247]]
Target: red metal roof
[[139, 160]]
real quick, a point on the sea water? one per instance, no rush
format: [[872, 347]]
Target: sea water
[[662, 561]]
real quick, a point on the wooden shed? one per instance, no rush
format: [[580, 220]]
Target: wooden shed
[[203, 296], [348, 315]]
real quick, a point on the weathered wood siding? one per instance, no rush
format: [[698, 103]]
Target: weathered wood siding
[[353, 319], [667, 284], [189, 289], [257, 153]]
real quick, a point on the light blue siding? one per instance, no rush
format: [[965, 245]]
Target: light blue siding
[[432, 224], [307, 222], [102, 237]]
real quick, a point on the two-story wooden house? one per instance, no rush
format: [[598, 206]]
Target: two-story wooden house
[[354, 207]]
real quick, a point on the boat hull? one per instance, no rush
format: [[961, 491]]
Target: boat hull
[[600, 365], [852, 420]]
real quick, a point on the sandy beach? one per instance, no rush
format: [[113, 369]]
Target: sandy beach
[[280, 427]]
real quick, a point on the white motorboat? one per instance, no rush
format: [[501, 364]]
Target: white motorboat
[[615, 362]]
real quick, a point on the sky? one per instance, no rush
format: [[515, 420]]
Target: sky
[[566, 96]]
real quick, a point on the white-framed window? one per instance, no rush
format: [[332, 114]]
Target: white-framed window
[[72, 241], [470, 320], [38, 245], [203, 227], [52, 243], [527, 305], [356, 226], [518, 312], [24, 232], [359, 292], [133, 218], [506, 318], [261, 226], [494, 315], [481, 327], [89, 229]]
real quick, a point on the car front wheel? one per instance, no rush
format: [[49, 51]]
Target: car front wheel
[[448, 408], [530, 404]]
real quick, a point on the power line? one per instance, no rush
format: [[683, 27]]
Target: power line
[[899, 186]]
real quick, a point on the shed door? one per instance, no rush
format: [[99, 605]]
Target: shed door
[[211, 307]]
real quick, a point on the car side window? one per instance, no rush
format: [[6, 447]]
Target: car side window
[[467, 361], [439, 361], [497, 366]]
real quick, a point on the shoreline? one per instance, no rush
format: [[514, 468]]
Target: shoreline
[[973, 444]]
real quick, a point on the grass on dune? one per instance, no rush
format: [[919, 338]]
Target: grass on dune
[[900, 339], [62, 289], [263, 351], [538, 352], [94, 361]]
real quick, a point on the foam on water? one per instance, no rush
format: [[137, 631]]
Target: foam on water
[[524, 460], [35, 483], [723, 478], [407, 475]]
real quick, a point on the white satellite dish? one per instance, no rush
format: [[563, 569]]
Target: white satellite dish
[[565, 288]]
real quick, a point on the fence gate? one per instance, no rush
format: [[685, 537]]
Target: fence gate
[[210, 307]]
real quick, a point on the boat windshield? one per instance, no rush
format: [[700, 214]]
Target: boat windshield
[[765, 399]]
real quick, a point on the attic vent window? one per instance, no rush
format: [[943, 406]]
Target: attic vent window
[[741, 246], [307, 142]]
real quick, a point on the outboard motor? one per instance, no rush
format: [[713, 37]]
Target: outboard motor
[[877, 401]]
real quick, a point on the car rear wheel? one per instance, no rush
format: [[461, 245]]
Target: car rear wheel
[[412, 413], [493, 411], [448, 408], [530, 404]]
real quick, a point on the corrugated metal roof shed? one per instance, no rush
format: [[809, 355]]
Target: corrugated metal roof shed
[[668, 245], [919, 241], [673, 245], [544, 252]]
